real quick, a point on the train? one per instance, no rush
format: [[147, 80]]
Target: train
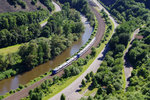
[[67, 63]]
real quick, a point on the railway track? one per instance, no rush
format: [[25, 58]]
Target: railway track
[[100, 32]]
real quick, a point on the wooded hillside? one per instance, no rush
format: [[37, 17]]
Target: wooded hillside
[[5, 6]]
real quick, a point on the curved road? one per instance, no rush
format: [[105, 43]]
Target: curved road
[[57, 9], [71, 91], [100, 7]]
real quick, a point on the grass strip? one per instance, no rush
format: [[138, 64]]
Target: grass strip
[[45, 20], [10, 49]]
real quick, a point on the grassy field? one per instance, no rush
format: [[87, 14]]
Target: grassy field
[[44, 21], [10, 49]]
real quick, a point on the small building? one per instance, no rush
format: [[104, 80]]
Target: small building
[[139, 37]]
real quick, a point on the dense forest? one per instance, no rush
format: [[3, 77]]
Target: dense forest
[[47, 3], [125, 10], [20, 27], [65, 27], [82, 6], [139, 55], [61, 32], [62, 29]]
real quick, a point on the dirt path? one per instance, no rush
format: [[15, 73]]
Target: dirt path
[[127, 65]]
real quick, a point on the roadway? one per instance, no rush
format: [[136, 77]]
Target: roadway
[[100, 7], [57, 9]]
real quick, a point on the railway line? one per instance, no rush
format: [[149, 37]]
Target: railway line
[[100, 32]]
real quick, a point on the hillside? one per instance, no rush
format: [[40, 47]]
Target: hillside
[[6, 7], [108, 2]]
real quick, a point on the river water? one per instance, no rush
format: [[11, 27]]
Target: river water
[[13, 82]]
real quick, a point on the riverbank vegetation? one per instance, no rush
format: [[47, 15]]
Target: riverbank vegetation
[[55, 85], [83, 7], [60, 32]]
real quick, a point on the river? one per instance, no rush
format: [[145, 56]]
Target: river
[[12, 83]]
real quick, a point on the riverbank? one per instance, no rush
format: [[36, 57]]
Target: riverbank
[[76, 45], [24, 92]]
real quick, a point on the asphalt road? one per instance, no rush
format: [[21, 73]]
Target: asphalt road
[[57, 9], [100, 7]]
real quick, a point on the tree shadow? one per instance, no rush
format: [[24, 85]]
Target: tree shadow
[[78, 90], [106, 49], [10, 2]]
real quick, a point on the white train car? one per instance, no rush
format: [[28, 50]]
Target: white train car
[[86, 48], [61, 67]]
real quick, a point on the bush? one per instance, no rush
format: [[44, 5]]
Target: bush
[[21, 3], [21, 86], [33, 2], [63, 97], [93, 53]]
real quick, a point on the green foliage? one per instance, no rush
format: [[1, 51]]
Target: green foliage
[[94, 83], [129, 9], [17, 2], [93, 53], [48, 4], [39, 92], [87, 77], [20, 27], [7, 74], [75, 68], [41, 49], [82, 6], [62, 97], [110, 89], [33, 2], [14, 19], [83, 83]]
